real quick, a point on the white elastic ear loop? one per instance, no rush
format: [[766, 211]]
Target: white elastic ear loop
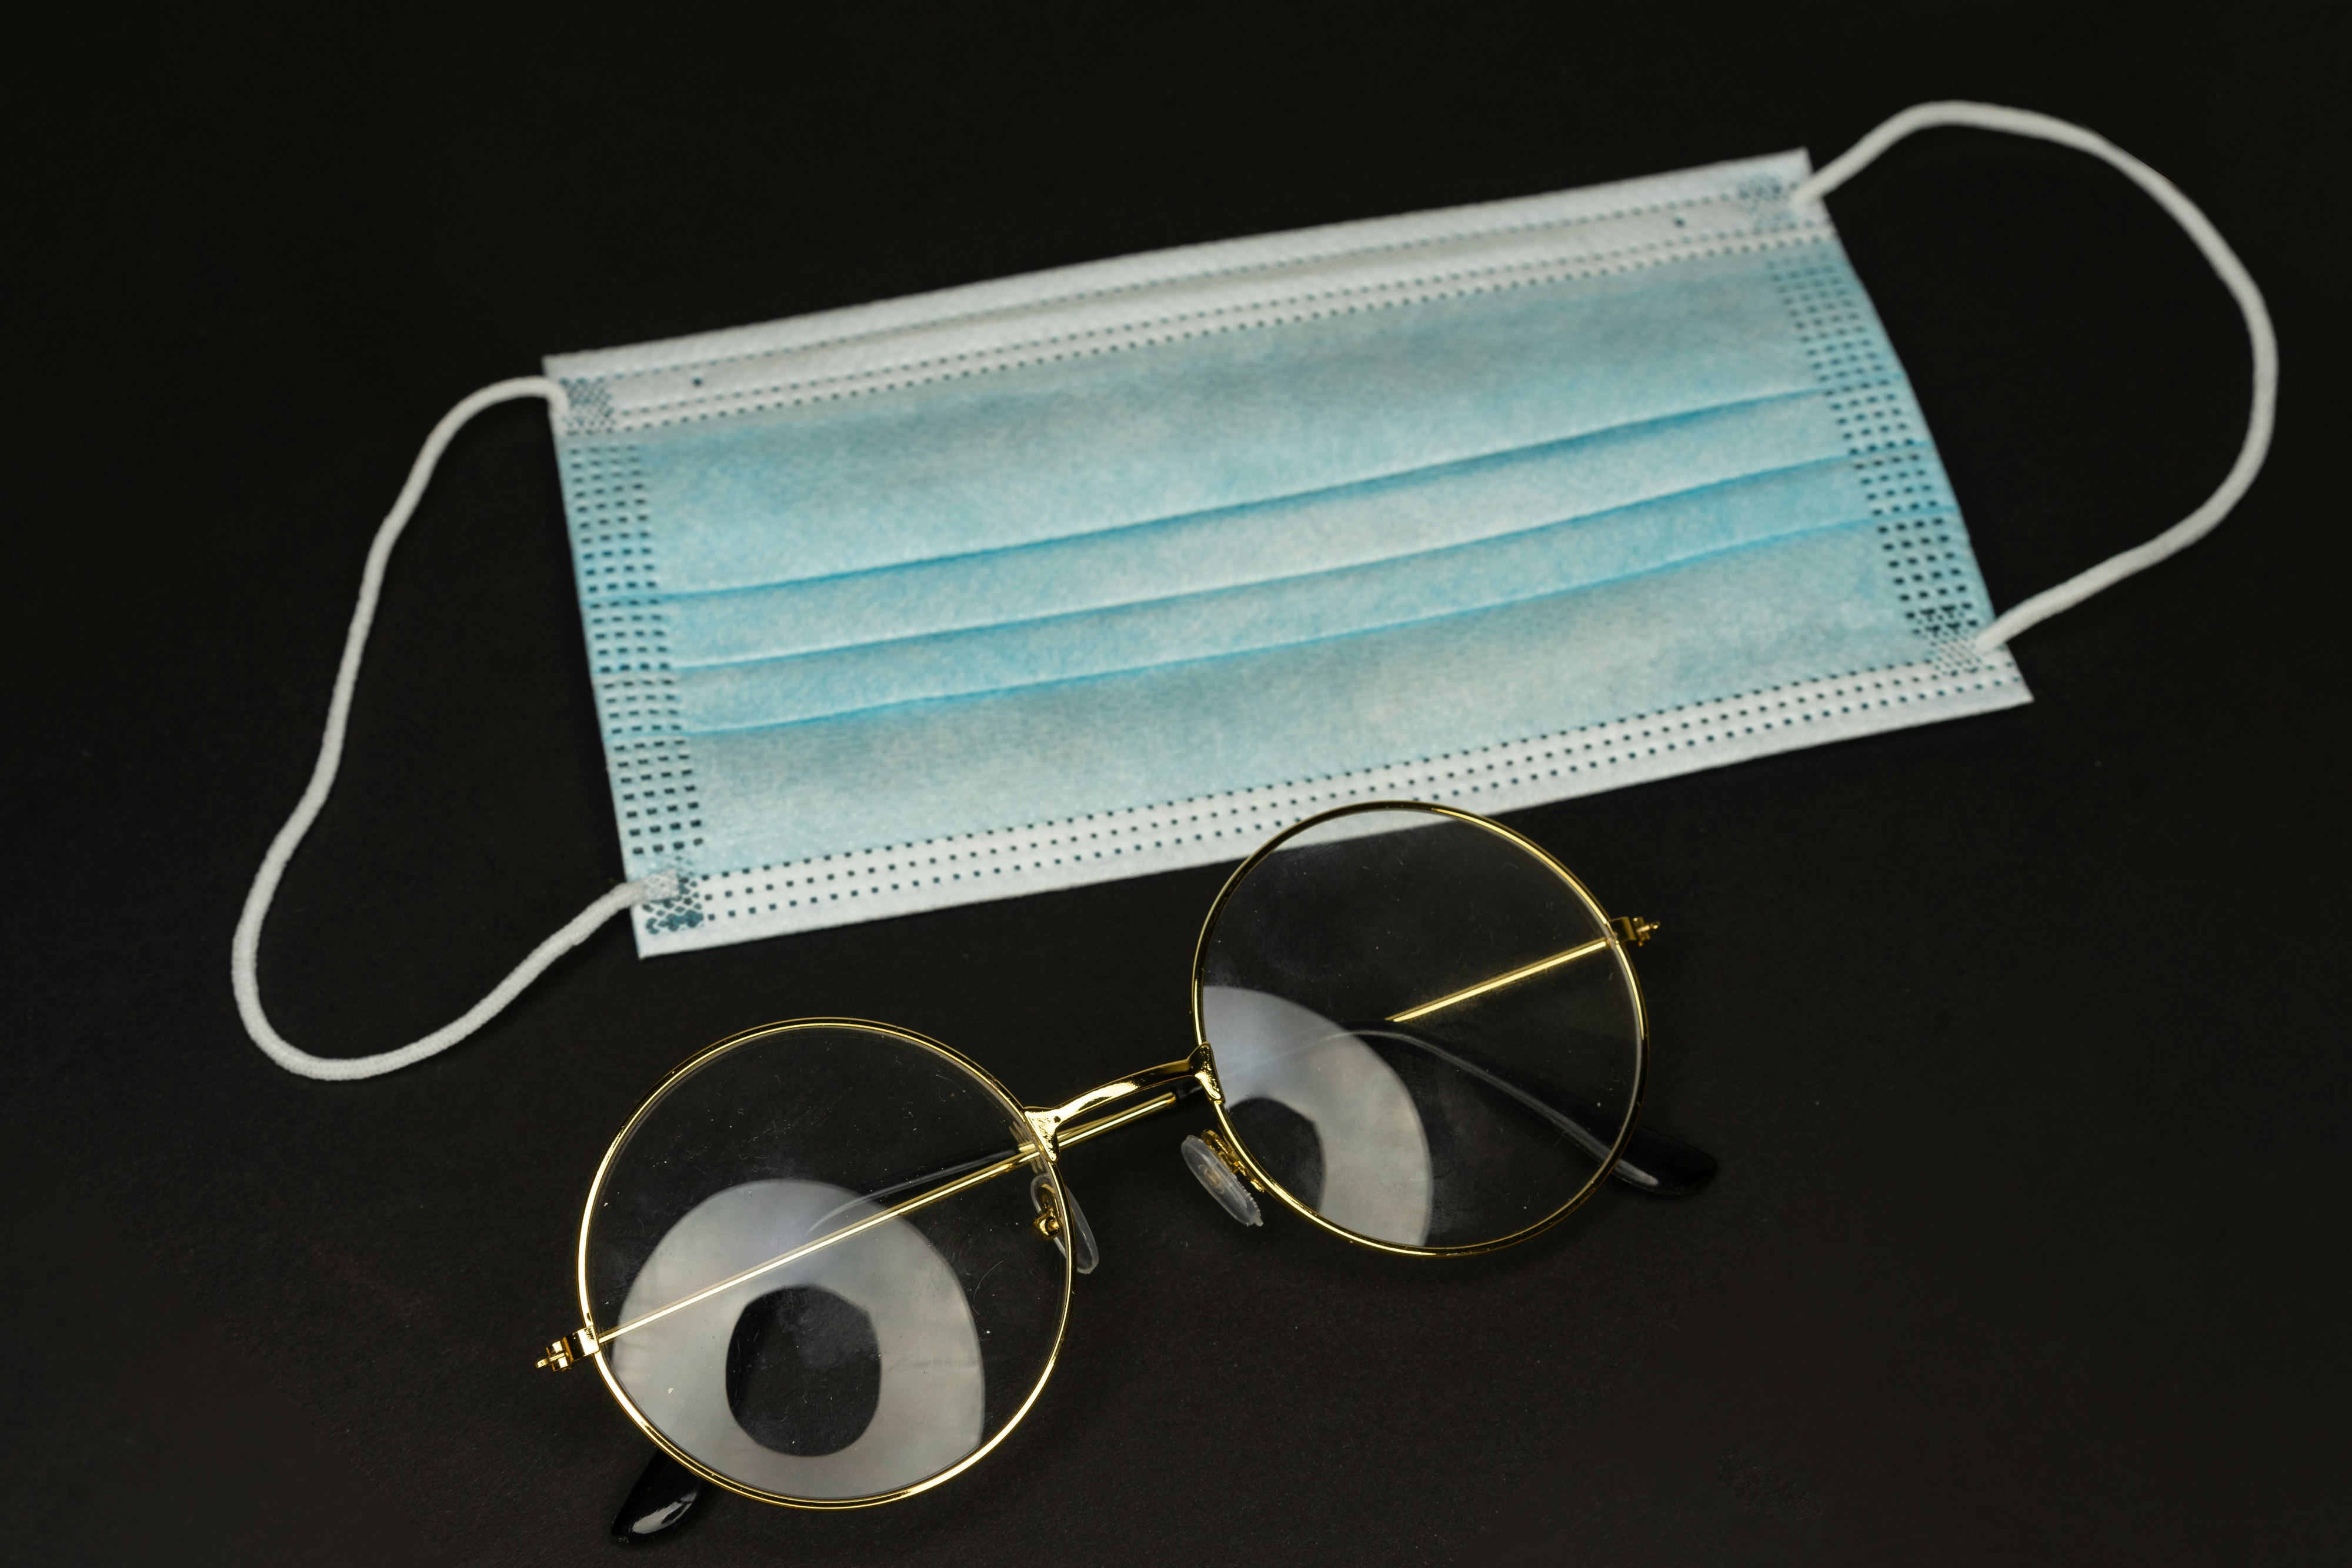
[[2225, 264], [244, 951]]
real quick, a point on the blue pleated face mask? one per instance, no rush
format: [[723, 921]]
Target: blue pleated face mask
[[1124, 567]]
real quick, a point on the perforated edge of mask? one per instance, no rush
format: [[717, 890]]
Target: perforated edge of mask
[[718, 908]]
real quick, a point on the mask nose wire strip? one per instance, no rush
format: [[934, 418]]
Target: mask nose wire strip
[[2218, 254], [244, 951]]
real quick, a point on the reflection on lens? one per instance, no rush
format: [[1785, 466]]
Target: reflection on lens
[[1421, 1029], [865, 1366], [1324, 1113]]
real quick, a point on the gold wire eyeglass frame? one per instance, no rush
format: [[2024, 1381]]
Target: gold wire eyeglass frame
[[1051, 1130]]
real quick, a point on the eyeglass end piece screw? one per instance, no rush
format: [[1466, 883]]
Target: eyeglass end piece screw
[[1633, 931], [576, 1346]]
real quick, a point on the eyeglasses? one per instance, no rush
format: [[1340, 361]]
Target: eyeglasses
[[837, 1257]]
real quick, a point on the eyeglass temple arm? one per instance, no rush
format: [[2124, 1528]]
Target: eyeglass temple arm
[[1630, 931], [1652, 1161], [1057, 1128]]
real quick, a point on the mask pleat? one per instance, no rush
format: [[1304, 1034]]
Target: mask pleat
[[1195, 730], [1346, 526], [1226, 420], [1533, 564]]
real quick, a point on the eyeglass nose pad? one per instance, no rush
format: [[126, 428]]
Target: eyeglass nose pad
[[1206, 1156], [1075, 1239]]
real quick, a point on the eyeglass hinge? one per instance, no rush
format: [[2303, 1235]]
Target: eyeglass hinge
[[1633, 931], [1204, 1072], [576, 1346], [1045, 1124]]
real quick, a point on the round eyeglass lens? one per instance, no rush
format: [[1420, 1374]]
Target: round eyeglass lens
[[1422, 1029], [865, 1366]]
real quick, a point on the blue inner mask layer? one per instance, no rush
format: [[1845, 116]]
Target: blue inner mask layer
[[1106, 570]]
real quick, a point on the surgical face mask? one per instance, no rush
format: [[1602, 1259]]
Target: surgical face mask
[[1119, 568]]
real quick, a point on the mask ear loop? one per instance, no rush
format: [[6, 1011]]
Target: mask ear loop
[[244, 951], [2218, 254]]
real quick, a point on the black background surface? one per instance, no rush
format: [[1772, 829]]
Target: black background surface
[[2018, 1038]]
